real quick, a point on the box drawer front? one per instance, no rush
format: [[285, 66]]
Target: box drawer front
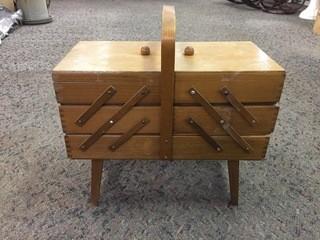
[[260, 87], [246, 87], [86, 93], [265, 116], [145, 147]]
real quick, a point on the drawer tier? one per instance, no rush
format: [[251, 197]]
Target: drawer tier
[[265, 116], [248, 87], [144, 147]]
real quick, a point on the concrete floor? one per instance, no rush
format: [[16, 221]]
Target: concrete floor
[[44, 195]]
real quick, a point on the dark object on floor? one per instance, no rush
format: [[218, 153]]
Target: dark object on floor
[[35, 11], [274, 6], [8, 20]]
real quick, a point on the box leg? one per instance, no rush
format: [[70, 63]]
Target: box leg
[[96, 173], [233, 169], [316, 26]]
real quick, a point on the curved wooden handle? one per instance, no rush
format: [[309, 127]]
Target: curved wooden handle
[[168, 38]]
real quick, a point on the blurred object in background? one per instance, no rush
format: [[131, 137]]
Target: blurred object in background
[[310, 13], [8, 4], [34, 11], [8, 19], [274, 6]]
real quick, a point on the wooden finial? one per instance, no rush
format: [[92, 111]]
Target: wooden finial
[[188, 51], [145, 51]]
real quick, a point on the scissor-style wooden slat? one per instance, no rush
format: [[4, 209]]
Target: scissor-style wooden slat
[[216, 116], [205, 135], [236, 136], [116, 117], [96, 105], [127, 135], [238, 106]]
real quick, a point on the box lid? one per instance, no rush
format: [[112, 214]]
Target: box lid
[[122, 56]]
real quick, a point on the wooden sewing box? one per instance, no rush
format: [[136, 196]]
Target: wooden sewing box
[[167, 100]]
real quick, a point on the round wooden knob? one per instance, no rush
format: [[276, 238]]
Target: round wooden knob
[[145, 51], [188, 51]]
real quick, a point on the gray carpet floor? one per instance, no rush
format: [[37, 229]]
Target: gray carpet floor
[[43, 195]]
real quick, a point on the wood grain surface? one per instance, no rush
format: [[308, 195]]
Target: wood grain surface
[[265, 115], [124, 56], [146, 147], [247, 87], [167, 83]]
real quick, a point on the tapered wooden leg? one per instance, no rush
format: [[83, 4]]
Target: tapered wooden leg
[[96, 173], [233, 169], [316, 27]]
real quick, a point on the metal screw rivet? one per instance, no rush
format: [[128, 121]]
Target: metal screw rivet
[[226, 92], [144, 92], [193, 92], [222, 121], [253, 121], [111, 121], [218, 149], [190, 121]]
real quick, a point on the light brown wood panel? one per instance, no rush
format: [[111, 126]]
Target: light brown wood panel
[[86, 93], [145, 147], [115, 56], [195, 148], [239, 56], [247, 87], [119, 78], [124, 56], [265, 116], [70, 113]]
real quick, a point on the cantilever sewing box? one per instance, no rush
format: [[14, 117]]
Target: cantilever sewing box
[[167, 100]]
